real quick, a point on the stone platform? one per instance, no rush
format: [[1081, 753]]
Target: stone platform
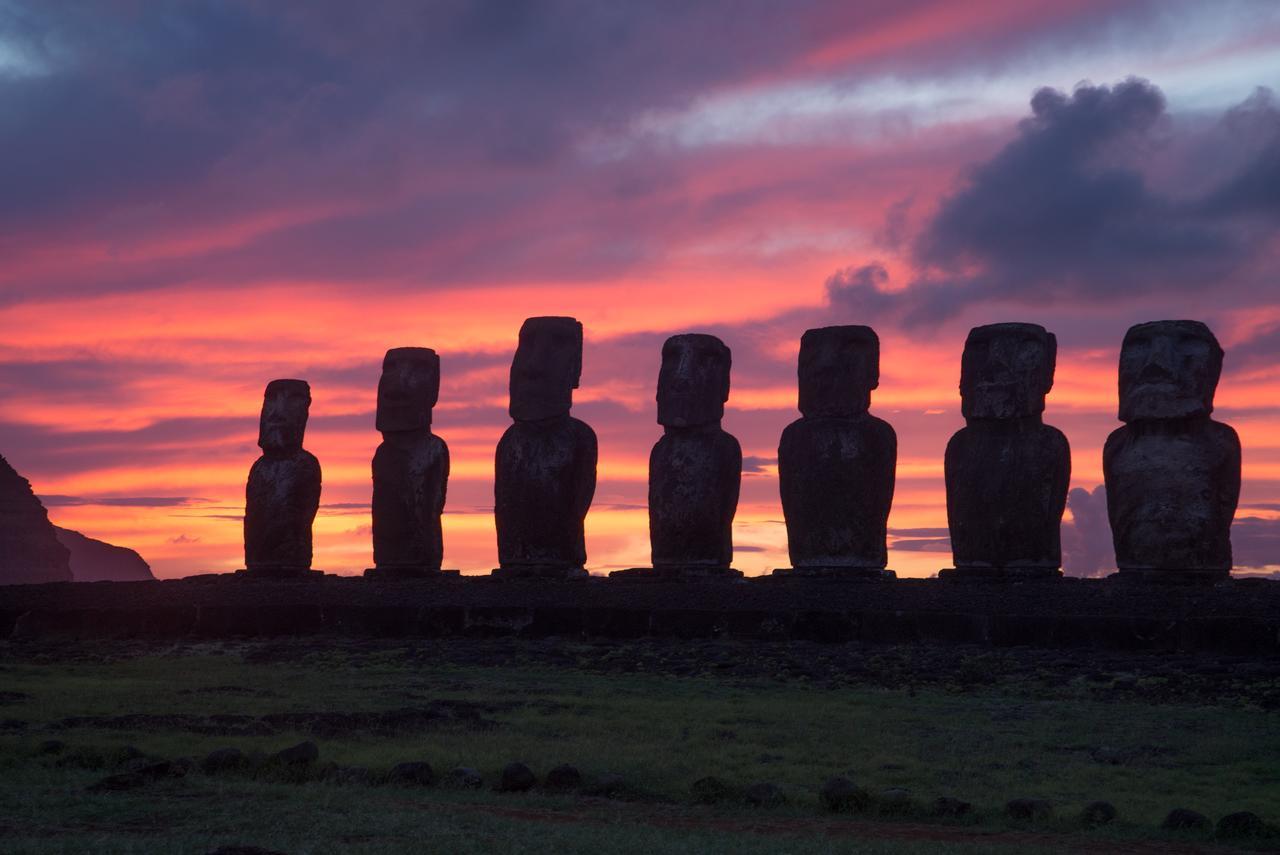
[[1240, 617]]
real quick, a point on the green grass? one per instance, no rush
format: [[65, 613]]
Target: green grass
[[661, 732]]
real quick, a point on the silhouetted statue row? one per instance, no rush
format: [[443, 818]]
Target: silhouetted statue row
[[1172, 473]]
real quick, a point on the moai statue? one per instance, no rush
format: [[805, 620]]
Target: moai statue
[[1172, 473], [1007, 472], [836, 464], [545, 473], [695, 470], [410, 467], [283, 492]]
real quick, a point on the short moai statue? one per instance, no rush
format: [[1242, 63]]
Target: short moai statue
[[695, 469], [410, 467], [1172, 473], [283, 493], [1007, 472], [836, 463], [545, 468]]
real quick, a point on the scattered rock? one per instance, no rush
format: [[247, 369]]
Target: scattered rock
[[608, 786], [710, 790], [516, 778], [894, 801], [563, 777], [302, 754], [1029, 810], [948, 806], [1098, 813], [351, 776], [764, 795], [841, 795], [224, 760], [416, 773], [1185, 819], [1240, 826], [139, 777], [464, 778], [128, 755]]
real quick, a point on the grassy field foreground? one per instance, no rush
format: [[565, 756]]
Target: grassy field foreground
[[641, 726]]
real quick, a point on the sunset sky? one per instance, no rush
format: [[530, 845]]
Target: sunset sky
[[196, 198]]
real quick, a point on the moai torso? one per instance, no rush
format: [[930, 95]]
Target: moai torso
[[546, 477], [1007, 473], [410, 467], [1172, 473], [695, 470], [545, 466], [836, 465], [1006, 491], [693, 494], [283, 492]]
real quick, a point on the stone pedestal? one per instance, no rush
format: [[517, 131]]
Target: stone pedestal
[[678, 573], [835, 574]]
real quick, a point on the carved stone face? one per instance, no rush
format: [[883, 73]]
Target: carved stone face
[[693, 383], [546, 368], [284, 416], [839, 366], [1006, 371], [1168, 370], [408, 388]]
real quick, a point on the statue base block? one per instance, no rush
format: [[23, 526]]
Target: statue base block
[[1171, 576], [408, 572], [683, 573], [286, 573], [835, 574], [999, 574], [538, 571]]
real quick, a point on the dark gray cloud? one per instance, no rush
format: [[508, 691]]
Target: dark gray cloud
[[1070, 209]]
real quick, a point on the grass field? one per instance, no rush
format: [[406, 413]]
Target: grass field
[[981, 731]]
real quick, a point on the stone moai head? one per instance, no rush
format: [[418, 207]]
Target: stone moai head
[[284, 416], [1168, 370], [693, 383], [839, 366], [408, 388], [1006, 371], [546, 368]]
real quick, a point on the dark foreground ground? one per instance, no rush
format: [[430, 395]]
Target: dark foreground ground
[[95, 740]]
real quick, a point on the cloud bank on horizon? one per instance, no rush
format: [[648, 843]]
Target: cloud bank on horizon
[[199, 197]]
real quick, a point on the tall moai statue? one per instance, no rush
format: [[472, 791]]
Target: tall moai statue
[[695, 469], [1172, 473], [1007, 472], [410, 467], [836, 463], [545, 473], [283, 493]]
